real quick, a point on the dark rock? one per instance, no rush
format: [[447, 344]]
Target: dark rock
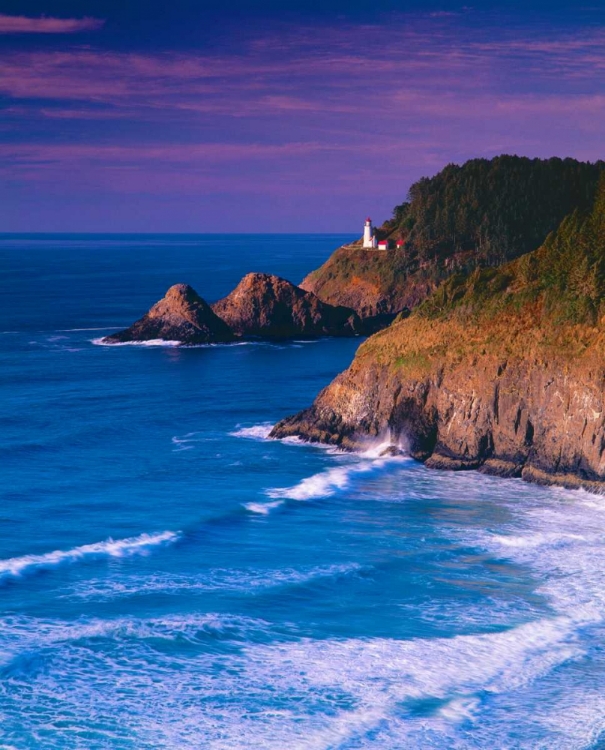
[[499, 468], [182, 315], [270, 307], [448, 463], [391, 450]]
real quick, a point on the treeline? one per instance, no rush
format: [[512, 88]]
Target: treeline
[[566, 276], [491, 211]]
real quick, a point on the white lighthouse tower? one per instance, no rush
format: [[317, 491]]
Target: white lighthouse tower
[[369, 240]]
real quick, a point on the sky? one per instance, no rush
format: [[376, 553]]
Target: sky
[[267, 116]]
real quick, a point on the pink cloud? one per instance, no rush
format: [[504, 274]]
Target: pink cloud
[[47, 25], [298, 73], [343, 114]]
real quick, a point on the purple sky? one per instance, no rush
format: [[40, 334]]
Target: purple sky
[[303, 123]]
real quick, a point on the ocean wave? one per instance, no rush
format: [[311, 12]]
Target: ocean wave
[[329, 482], [284, 691], [256, 432], [243, 581], [537, 539], [263, 509], [20, 634], [102, 341], [561, 542], [379, 678], [187, 442], [140, 545], [101, 328]]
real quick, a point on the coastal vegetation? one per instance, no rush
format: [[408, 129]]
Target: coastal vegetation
[[550, 300], [478, 215]]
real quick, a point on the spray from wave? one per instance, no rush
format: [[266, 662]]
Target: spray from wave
[[256, 432]]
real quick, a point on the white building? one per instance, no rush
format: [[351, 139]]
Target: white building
[[369, 238]]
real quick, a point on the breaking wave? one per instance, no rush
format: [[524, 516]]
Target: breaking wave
[[329, 482], [152, 342], [15, 567], [256, 432]]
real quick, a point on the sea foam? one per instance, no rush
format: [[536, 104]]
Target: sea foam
[[152, 342], [246, 581], [255, 432], [329, 482], [15, 567]]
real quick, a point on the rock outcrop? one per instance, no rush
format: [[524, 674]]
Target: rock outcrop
[[261, 306], [182, 315], [267, 306], [502, 370]]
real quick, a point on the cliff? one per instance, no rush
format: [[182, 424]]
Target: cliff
[[181, 315], [501, 370], [481, 214]]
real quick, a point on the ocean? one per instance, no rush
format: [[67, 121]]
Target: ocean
[[170, 578]]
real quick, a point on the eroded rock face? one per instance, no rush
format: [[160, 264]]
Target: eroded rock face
[[542, 420], [373, 283], [270, 307], [182, 315]]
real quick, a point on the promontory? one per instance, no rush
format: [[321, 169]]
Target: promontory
[[500, 368]]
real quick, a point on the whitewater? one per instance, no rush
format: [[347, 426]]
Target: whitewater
[[171, 577]]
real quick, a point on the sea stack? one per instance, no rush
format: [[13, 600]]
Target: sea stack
[[181, 315], [267, 306]]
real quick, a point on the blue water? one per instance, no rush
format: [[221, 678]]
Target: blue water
[[170, 578]]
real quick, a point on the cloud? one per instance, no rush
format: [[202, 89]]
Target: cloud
[[47, 25], [311, 111]]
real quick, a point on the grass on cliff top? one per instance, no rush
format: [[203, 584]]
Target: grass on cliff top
[[384, 270], [548, 303]]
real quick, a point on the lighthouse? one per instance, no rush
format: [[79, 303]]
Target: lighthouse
[[369, 240]]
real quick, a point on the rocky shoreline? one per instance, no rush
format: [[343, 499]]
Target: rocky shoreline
[[506, 418]]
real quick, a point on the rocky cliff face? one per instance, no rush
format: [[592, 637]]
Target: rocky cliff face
[[538, 419], [270, 307], [182, 315], [502, 370]]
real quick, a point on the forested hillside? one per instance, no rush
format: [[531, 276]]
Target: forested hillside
[[481, 214]]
